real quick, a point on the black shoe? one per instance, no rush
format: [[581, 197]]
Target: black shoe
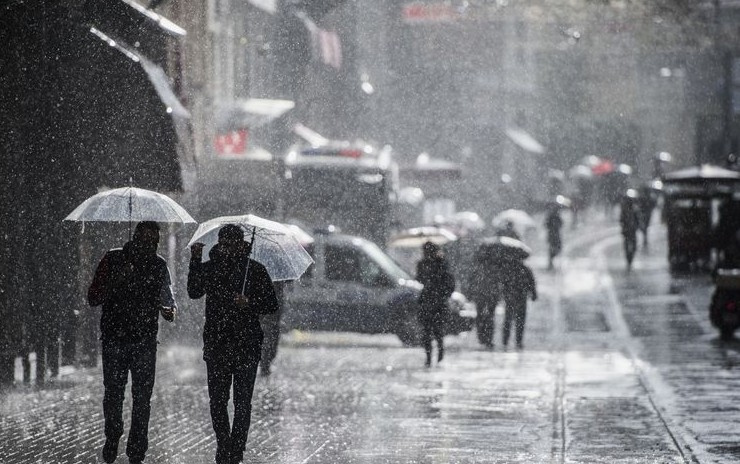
[[110, 451], [135, 461], [236, 457], [223, 455]]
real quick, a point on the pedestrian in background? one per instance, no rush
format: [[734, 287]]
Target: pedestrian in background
[[629, 220], [271, 327], [485, 292], [439, 283], [645, 205], [553, 223], [134, 286], [517, 284], [238, 291]]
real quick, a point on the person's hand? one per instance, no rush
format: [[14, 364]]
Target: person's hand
[[168, 313], [240, 301], [196, 251]]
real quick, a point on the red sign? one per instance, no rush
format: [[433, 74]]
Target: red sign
[[232, 143], [429, 12]]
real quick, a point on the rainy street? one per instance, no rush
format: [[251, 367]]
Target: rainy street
[[291, 199], [616, 367]]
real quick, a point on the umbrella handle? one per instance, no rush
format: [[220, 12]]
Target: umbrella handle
[[246, 271], [130, 204]]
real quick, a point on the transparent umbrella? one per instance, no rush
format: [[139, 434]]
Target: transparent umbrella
[[130, 204], [274, 245]]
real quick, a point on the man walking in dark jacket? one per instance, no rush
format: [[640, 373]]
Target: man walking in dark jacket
[[133, 285], [517, 283], [238, 290]]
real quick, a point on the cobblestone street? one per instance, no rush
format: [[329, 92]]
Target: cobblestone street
[[616, 368]]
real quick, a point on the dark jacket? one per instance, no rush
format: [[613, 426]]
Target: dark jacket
[[229, 330], [439, 283], [132, 287], [517, 282], [485, 281], [629, 219]]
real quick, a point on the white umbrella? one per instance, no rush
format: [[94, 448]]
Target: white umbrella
[[520, 219], [274, 245], [418, 236], [130, 204]]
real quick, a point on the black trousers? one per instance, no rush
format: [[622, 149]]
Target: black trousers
[[485, 322], [119, 359], [433, 321], [516, 312], [222, 372]]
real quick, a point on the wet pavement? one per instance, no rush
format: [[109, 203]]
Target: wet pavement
[[617, 367]]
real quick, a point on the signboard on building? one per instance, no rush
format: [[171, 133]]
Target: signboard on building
[[428, 12], [232, 144]]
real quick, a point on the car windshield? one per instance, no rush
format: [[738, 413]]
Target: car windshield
[[385, 262]]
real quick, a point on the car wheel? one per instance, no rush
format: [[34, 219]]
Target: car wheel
[[408, 329]]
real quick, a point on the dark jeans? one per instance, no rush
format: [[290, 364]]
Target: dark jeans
[[221, 373], [485, 322], [118, 359], [432, 327], [516, 312], [630, 246]]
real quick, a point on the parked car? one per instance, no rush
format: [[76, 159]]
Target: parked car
[[354, 286]]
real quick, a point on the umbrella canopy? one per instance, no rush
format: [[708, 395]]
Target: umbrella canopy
[[520, 219], [251, 113], [580, 171], [561, 201], [504, 248], [130, 204], [274, 245], [303, 237], [701, 174], [525, 141], [604, 167], [418, 236]]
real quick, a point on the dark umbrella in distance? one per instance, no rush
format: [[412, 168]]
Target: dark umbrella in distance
[[702, 174], [500, 247]]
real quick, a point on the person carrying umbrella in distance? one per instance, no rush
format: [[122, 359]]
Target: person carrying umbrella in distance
[[439, 283], [553, 223], [629, 220], [517, 284], [133, 284], [238, 290]]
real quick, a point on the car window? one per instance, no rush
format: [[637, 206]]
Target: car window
[[384, 262], [350, 265]]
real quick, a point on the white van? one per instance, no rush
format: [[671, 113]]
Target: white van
[[354, 286]]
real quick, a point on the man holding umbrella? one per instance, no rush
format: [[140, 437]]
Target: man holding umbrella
[[238, 290], [133, 285]]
